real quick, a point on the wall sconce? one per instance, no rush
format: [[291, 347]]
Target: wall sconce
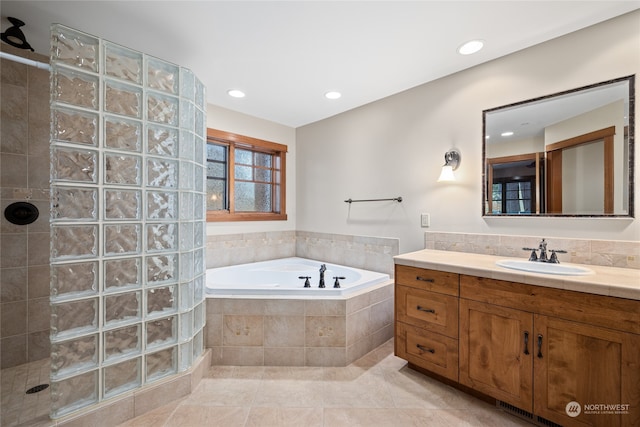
[[451, 163]]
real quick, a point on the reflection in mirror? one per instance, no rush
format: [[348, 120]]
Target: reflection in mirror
[[514, 182], [565, 154]]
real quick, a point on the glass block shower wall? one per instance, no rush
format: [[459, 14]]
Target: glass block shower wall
[[127, 219]]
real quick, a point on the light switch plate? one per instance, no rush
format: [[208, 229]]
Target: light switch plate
[[425, 220]]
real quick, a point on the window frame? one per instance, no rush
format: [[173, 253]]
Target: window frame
[[503, 182], [232, 141]]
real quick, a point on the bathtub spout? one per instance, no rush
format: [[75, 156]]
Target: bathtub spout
[[323, 268]]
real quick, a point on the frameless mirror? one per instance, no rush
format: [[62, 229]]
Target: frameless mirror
[[567, 154]]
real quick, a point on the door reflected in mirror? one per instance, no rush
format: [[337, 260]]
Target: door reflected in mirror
[[565, 154]]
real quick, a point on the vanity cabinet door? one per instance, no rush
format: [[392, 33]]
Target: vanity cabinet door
[[496, 351], [589, 365]]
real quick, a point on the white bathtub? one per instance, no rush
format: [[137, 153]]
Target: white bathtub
[[281, 277]]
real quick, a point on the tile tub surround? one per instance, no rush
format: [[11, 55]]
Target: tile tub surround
[[231, 249], [298, 332], [24, 177], [608, 253], [367, 253]]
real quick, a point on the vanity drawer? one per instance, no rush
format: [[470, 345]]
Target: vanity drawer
[[428, 280], [599, 310], [431, 351], [430, 310]]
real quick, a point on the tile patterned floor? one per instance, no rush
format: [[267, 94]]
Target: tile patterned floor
[[377, 390], [17, 407]]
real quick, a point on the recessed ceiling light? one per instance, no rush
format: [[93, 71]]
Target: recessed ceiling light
[[236, 93], [332, 95], [470, 47], [509, 133]]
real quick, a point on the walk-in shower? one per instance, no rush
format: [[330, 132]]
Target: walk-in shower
[[127, 220]]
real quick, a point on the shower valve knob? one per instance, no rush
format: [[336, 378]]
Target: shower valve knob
[[336, 284]]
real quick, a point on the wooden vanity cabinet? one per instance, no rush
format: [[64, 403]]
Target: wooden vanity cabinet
[[518, 345], [532, 347], [426, 314]]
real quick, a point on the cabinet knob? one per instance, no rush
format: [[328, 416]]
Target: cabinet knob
[[426, 310], [526, 342], [424, 279]]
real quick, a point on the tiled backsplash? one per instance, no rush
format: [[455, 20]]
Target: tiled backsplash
[[376, 253], [611, 253], [369, 253]]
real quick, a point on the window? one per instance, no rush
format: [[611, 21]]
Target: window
[[512, 196], [245, 178]]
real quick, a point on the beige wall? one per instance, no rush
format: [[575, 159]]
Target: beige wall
[[24, 176], [234, 122], [395, 146]]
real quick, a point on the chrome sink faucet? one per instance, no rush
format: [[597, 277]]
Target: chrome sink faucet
[[542, 247], [543, 251]]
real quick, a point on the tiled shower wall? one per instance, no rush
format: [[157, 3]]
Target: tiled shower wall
[[624, 254], [24, 177], [369, 253], [127, 212]]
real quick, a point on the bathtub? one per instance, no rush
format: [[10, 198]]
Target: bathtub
[[280, 278]]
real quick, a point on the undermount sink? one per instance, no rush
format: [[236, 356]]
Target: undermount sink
[[544, 267]]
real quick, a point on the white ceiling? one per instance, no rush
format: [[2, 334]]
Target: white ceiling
[[285, 55]]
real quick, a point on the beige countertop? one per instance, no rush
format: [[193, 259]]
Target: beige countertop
[[611, 281]]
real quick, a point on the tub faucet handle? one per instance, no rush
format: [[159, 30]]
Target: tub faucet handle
[[336, 284], [307, 284]]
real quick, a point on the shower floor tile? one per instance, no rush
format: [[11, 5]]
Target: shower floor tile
[[19, 408]]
